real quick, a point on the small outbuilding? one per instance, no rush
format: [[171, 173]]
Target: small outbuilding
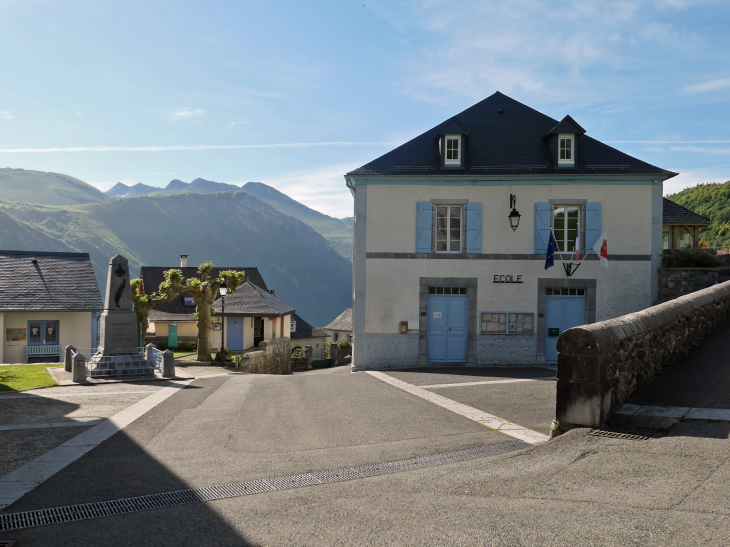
[[681, 226], [48, 300], [303, 334]]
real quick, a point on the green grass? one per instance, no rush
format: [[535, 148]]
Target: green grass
[[22, 377]]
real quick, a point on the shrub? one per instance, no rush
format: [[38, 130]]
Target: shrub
[[327, 354], [344, 343], [187, 346], [162, 346], [703, 245], [298, 353], [690, 258]]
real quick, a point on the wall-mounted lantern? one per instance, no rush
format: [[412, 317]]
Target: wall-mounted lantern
[[514, 216]]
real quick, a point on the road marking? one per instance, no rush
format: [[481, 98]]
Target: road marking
[[16, 484], [484, 418], [679, 412], [487, 382], [46, 425]]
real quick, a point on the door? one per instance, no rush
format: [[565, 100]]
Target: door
[[42, 333], [172, 335], [258, 330], [562, 312], [447, 334], [234, 333]]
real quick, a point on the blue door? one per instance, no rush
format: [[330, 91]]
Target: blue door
[[447, 333], [561, 313], [172, 335], [234, 333]]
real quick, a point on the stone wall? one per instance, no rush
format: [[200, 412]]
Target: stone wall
[[602, 364], [506, 349], [274, 357], [675, 282], [303, 363], [385, 351]]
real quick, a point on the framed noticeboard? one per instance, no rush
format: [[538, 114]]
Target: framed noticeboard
[[15, 335], [521, 323], [494, 323]]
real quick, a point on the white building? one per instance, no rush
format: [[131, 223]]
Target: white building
[[341, 327], [441, 277]]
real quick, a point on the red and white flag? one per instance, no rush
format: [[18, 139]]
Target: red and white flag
[[601, 247]]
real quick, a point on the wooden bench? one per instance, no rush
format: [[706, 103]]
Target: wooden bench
[[42, 353]]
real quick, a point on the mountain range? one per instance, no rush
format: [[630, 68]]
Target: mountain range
[[230, 228]]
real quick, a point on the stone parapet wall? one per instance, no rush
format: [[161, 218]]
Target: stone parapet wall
[[274, 357], [506, 349], [602, 364], [375, 351], [675, 282]]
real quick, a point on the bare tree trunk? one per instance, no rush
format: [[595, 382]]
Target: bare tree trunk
[[205, 327]]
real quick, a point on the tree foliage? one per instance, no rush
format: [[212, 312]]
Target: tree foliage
[[710, 200], [143, 303]]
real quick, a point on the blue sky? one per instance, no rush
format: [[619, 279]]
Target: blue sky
[[294, 94]]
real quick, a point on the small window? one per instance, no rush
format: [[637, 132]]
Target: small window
[[566, 226], [448, 229], [293, 326], [565, 151], [189, 301], [666, 239], [335, 337], [452, 150]]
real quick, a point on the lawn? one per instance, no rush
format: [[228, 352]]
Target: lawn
[[22, 377]]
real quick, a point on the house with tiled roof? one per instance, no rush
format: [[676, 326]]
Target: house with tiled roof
[[48, 300], [452, 231], [341, 327], [681, 226]]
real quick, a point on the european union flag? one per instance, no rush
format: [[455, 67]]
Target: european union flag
[[551, 248]]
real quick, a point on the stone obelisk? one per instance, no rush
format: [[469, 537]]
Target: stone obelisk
[[119, 333]]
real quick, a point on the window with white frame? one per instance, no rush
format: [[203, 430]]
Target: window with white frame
[[566, 226], [189, 301], [448, 228], [453, 154], [293, 326], [565, 152]]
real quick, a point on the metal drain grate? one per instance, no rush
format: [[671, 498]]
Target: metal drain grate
[[622, 432], [70, 513], [8, 543]]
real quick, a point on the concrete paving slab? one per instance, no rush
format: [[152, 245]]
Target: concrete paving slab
[[662, 412], [22, 446], [711, 414]]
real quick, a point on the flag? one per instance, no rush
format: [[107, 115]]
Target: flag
[[602, 245], [551, 248], [576, 246]]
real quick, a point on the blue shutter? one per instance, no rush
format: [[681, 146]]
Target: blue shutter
[[424, 222], [473, 227], [542, 227], [593, 224]]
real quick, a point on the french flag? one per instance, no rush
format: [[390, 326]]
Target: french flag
[[576, 246]]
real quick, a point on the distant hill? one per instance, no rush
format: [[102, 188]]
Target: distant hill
[[121, 190], [47, 188], [231, 229], [175, 186], [348, 221], [710, 200], [336, 232]]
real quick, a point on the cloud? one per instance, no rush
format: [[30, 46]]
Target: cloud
[[174, 148], [702, 149], [6, 115], [693, 177], [185, 113], [239, 124], [668, 142], [713, 85]]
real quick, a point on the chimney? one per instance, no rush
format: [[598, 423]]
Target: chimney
[[183, 261]]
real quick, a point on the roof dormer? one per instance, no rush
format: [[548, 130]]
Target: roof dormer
[[563, 141], [452, 137]]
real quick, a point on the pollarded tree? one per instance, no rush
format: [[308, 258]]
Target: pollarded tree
[[143, 303], [204, 291]]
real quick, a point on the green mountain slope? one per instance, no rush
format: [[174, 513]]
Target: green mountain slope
[[229, 228], [336, 232], [47, 188], [712, 201]]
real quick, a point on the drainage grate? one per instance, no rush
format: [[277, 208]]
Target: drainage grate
[[622, 432], [8, 543], [70, 513]]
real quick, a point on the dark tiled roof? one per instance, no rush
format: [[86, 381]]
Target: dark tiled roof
[[676, 214], [254, 301], [305, 330], [507, 138], [176, 310], [54, 281], [343, 321]]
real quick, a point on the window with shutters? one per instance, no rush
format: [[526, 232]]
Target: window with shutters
[[448, 228], [566, 226]]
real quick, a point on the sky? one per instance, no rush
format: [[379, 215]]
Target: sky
[[295, 94]]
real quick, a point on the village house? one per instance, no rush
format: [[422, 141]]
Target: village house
[[452, 230], [341, 327], [48, 300], [681, 227], [303, 334]]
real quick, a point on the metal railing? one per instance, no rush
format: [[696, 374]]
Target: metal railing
[[146, 360]]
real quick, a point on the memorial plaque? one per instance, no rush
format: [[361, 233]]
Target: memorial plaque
[[118, 330]]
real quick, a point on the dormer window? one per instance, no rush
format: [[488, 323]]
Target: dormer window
[[452, 150], [565, 150]]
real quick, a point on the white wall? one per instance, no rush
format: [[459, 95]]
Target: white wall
[[73, 328]]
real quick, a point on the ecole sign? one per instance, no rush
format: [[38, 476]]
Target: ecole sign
[[507, 279]]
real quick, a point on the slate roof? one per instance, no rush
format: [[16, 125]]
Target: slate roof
[[676, 214], [342, 322], [48, 281], [176, 310], [305, 330], [250, 300], [507, 138]]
